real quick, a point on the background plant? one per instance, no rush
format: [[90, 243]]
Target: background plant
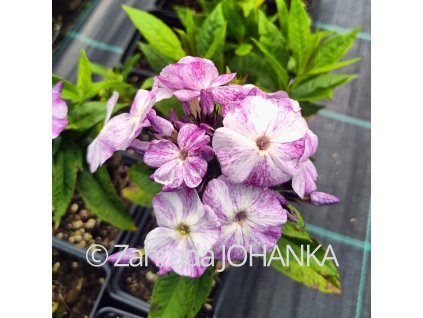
[[275, 50], [86, 112]]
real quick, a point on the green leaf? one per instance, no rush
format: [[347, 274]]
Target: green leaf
[[100, 197], [156, 60], [138, 196], [129, 65], [212, 33], [272, 39], [243, 49], [66, 164], [84, 80], [69, 91], [256, 69], [186, 17], [309, 109], [86, 115], [157, 33], [334, 48], [147, 83], [319, 86], [100, 69], [282, 16], [165, 105], [278, 69], [323, 277], [298, 31], [177, 296], [327, 68], [139, 174], [236, 28]]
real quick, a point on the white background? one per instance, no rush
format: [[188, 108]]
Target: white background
[[397, 158]]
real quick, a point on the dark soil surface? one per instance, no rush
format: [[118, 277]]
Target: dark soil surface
[[75, 286], [82, 228], [139, 281], [65, 13]]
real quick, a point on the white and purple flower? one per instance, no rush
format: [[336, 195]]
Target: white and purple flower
[[191, 77], [181, 164], [261, 142], [186, 232], [120, 131], [231, 96], [59, 111], [250, 216]]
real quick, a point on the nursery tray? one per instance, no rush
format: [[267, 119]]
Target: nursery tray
[[78, 253], [110, 312]]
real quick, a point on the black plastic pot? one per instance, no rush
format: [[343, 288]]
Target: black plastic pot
[[78, 253], [110, 312], [114, 290]]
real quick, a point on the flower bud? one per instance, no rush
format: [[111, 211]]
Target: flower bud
[[321, 198]]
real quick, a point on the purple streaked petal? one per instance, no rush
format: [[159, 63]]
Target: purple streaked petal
[[110, 105], [205, 232], [161, 152], [116, 135], [206, 153], [170, 175], [267, 172], [222, 79], [277, 95], [304, 182], [139, 146], [236, 153], [191, 138], [281, 198], [125, 256], [194, 169], [206, 102], [197, 73], [185, 95], [181, 206], [169, 77], [311, 143], [321, 198], [142, 104], [59, 111], [161, 125], [250, 216]]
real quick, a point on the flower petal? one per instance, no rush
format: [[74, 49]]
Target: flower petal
[[185, 95], [197, 73], [191, 138], [167, 249], [237, 154], [59, 111], [142, 104], [110, 105], [116, 135], [222, 79], [321, 198], [160, 152], [304, 182], [161, 125], [194, 169], [170, 175]]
